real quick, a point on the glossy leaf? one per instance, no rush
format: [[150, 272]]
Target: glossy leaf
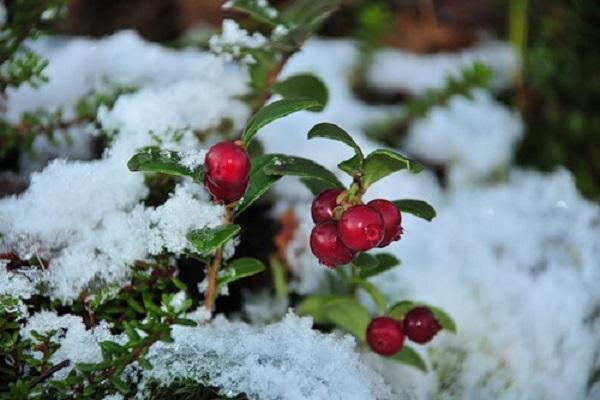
[[301, 167], [334, 132], [276, 110], [352, 166], [383, 162], [410, 357], [304, 85], [256, 10], [349, 315], [153, 159], [238, 269], [315, 305], [260, 182], [365, 260], [208, 239], [418, 208], [316, 186], [385, 261]]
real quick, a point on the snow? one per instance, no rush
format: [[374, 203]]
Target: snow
[[457, 135], [76, 343], [401, 70], [284, 360], [87, 217], [233, 38], [514, 262]]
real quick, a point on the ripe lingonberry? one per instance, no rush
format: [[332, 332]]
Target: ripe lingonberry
[[326, 245], [420, 325], [361, 228], [324, 204], [385, 336], [227, 165], [391, 220], [228, 195]]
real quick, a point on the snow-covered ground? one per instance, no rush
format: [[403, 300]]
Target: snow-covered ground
[[514, 262]]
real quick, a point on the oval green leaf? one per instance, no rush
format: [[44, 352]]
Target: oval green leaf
[[301, 167], [314, 306], [273, 111], [383, 162], [304, 85], [409, 356], [334, 132], [260, 182], [153, 159], [350, 316], [208, 239], [385, 261], [418, 208], [238, 269]]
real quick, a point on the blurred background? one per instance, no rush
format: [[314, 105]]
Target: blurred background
[[556, 88]]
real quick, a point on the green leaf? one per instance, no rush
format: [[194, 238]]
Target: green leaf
[[352, 166], [385, 261], [276, 110], [153, 159], [110, 347], [304, 85], [144, 363], [92, 367], [133, 303], [376, 295], [383, 162], [184, 322], [334, 132], [260, 182], [444, 319], [120, 384], [410, 357], [349, 315], [301, 167], [208, 240], [314, 306], [238, 269], [316, 186], [365, 260], [399, 310], [306, 16], [255, 10], [418, 208]]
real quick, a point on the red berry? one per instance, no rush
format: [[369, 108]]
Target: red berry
[[361, 228], [385, 336], [226, 195], [420, 325], [391, 220], [227, 165], [324, 204], [327, 246]]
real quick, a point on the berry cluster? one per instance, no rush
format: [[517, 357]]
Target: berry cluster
[[385, 335], [227, 171], [344, 228]]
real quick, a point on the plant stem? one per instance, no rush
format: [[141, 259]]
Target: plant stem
[[213, 268]]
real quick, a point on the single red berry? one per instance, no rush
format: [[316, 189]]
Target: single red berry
[[361, 228], [392, 220], [385, 336], [226, 195], [420, 325], [324, 204], [326, 245], [227, 165]]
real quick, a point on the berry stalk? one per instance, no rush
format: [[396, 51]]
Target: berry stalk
[[213, 268]]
